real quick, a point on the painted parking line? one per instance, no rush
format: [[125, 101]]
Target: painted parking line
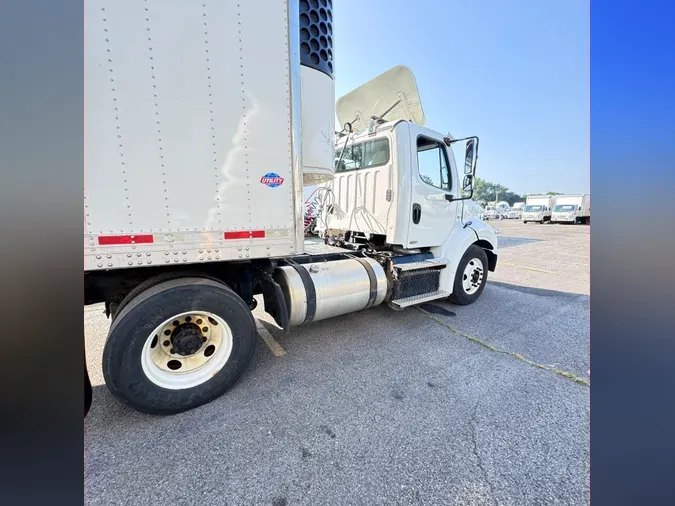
[[271, 343], [535, 269]]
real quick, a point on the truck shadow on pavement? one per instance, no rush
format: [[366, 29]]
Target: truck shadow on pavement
[[541, 292], [507, 242]]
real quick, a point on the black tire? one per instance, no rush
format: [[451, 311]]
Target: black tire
[[459, 296], [524, 222], [149, 283], [129, 332], [87, 390]]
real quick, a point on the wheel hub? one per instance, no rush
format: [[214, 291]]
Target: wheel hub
[[473, 276], [187, 339]]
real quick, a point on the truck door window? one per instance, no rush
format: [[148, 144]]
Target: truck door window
[[432, 162]]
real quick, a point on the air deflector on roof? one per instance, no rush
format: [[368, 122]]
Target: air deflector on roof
[[394, 91]]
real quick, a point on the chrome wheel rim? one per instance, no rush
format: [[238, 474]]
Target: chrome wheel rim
[[473, 275]]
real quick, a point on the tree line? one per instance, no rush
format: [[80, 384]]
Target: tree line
[[487, 191]]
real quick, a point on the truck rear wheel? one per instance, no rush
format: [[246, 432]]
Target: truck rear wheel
[[470, 277], [178, 345]]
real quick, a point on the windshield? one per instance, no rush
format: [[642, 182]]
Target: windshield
[[363, 155], [564, 209], [531, 209]]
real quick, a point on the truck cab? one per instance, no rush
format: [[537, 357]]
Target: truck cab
[[537, 208], [571, 209], [565, 213], [398, 185]]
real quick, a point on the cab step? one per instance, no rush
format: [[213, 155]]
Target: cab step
[[424, 264], [399, 304]]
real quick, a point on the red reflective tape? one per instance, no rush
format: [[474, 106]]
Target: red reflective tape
[[237, 235], [105, 240], [245, 234]]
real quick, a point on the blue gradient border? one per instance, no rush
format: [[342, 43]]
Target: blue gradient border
[[41, 157], [632, 252]]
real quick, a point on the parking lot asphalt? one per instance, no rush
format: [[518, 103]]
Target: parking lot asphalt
[[482, 404]]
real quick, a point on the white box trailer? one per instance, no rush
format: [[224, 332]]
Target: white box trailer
[[538, 208], [193, 120], [572, 209], [203, 123]]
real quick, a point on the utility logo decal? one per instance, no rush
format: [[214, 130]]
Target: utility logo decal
[[272, 179]]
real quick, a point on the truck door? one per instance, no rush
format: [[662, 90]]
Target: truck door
[[434, 187]]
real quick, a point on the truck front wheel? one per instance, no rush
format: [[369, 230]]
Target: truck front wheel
[[470, 277], [178, 345]]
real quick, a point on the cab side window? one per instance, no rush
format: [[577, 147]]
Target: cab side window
[[364, 155], [432, 162]]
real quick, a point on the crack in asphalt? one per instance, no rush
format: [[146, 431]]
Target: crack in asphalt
[[479, 459], [556, 310], [565, 374]]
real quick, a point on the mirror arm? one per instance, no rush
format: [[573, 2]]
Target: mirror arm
[[464, 198], [449, 141]]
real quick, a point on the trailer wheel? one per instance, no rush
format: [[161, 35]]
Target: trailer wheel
[[470, 277], [149, 283], [178, 345]]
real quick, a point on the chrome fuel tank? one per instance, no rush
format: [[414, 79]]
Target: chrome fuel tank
[[321, 290]]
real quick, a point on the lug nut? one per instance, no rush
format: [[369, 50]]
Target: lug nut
[[166, 343]]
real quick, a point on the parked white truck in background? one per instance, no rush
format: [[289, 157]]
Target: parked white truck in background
[[203, 122], [538, 208], [514, 213], [491, 212], [503, 208], [572, 209]]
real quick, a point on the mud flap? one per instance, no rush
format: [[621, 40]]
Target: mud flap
[[275, 303]]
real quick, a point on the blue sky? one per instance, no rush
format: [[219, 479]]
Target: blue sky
[[514, 73]]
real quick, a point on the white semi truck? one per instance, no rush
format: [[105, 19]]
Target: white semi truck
[[203, 123], [538, 208], [572, 209]]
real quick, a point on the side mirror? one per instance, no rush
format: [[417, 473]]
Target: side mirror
[[470, 160], [471, 156]]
